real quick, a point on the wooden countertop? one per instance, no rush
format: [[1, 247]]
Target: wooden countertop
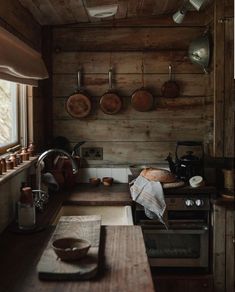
[[226, 198], [85, 194], [119, 194], [123, 263]]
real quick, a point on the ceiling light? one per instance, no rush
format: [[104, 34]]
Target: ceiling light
[[197, 4], [178, 17], [102, 11]]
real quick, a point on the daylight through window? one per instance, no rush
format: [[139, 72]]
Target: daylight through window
[[8, 114]]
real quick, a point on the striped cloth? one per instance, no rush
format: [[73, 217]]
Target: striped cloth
[[150, 195]]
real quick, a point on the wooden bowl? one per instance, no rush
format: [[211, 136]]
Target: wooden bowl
[[94, 181], [107, 181], [70, 248]]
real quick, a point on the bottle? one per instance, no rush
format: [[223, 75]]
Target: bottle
[[13, 159], [18, 158], [31, 149], [25, 154], [4, 165], [10, 164], [26, 209]]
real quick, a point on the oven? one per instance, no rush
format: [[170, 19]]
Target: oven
[[185, 244]]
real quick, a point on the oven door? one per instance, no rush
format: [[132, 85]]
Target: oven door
[[177, 246]]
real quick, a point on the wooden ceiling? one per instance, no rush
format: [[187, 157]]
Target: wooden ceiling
[[59, 12]]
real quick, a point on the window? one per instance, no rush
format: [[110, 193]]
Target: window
[[11, 114]]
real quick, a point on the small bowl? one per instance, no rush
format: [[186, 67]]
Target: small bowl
[[107, 181], [70, 248], [95, 181]]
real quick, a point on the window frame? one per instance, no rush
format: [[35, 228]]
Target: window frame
[[22, 113]]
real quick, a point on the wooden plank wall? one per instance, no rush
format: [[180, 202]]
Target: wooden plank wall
[[229, 89], [223, 248], [131, 136], [224, 116], [219, 80]]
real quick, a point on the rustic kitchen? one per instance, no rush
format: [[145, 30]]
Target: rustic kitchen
[[117, 145]]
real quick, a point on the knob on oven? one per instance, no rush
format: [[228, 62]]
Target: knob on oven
[[199, 203], [189, 203]]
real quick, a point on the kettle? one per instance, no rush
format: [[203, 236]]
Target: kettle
[[188, 165]]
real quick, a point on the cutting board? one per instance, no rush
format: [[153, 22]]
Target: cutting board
[[176, 184], [50, 267]]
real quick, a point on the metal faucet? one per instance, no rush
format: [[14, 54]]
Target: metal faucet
[[41, 197]]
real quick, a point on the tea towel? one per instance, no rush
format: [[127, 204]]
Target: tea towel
[[150, 195]]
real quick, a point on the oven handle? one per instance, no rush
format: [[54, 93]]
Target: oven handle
[[176, 231], [153, 222]]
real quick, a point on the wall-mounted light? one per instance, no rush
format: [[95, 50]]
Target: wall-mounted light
[[197, 4], [102, 11], [178, 17]]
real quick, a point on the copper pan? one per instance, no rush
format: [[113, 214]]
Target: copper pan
[[110, 102], [78, 105], [142, 99], [170, 88]]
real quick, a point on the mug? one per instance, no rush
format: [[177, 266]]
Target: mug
[[228, 179]]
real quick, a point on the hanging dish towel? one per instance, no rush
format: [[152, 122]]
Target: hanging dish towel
[[150, 195]]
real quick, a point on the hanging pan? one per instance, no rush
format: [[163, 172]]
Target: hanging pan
[[142, 99], [78, 105], [110, 102], [170, 88]]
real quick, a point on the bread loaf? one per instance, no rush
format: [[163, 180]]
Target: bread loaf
[[158, 174]]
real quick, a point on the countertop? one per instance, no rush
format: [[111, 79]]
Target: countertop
[[123, 263], [123, 260], [226, 199], [85, 194]]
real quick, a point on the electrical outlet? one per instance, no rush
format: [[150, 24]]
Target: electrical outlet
[[92, 153]]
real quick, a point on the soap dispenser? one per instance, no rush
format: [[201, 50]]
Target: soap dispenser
[[26, 209]]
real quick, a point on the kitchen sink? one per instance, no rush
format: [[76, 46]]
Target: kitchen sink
[[110, 215]]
